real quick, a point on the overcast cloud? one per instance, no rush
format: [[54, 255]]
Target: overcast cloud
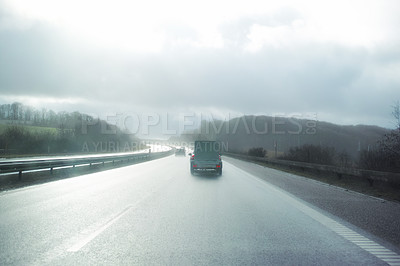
[[338, 59]]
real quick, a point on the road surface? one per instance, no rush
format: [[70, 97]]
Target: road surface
[[156, 213]]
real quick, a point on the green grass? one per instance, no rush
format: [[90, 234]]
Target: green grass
[[31, 129]]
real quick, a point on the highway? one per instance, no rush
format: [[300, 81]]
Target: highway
[[156, 213]]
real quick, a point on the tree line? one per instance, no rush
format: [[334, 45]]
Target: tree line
[[27, 130], [19, 113], [385, 156]]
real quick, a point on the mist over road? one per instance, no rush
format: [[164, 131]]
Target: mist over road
[[157, 213]]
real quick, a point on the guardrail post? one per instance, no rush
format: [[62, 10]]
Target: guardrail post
[[20, 176], [51, 170]]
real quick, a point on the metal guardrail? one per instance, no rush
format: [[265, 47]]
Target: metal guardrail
[[20, 166], [371, 176]]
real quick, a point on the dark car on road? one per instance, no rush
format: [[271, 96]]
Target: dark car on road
[[206, 157], [180, 152]]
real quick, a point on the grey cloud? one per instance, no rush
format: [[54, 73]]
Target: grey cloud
[[387, 54], [235, 32], [318, 77], [255, 83], [33, 61]]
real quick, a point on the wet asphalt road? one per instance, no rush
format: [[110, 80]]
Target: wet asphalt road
[[157, 213]]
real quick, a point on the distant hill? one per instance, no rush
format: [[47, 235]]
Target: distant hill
[[246, 132]]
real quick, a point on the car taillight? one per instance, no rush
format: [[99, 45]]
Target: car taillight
[[218, 166], [195, 165], [192, 158]]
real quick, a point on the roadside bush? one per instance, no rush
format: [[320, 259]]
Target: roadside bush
[[379, 160], [258, 152], [311, 154], [13, 138], [343, 159]]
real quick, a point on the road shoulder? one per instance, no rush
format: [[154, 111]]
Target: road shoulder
[[374, 215]]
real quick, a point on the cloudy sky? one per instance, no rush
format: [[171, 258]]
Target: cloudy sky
[[339, 60]]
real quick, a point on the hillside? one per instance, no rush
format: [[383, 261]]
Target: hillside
[[245, 132], [25, 130]]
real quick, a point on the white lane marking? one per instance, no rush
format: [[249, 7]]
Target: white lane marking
[[379, 251], [80, 244], [365, 244], [86, 239]]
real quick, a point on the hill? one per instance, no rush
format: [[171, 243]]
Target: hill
[[25, 130], [243, 133]]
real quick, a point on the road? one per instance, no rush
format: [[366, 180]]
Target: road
[[157, 213]]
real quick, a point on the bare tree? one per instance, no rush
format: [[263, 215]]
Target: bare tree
[[390, 144], [28, 114], [396, 114], [16, 109]]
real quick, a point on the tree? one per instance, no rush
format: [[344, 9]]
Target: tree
[[387, 157], [28, 114], [391, 141], [16, 111], [396, 114], [52, 118]]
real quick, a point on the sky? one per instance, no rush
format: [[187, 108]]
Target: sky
[[336, 60]]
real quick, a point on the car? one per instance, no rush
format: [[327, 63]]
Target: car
[[180, 152], [206, 157]]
